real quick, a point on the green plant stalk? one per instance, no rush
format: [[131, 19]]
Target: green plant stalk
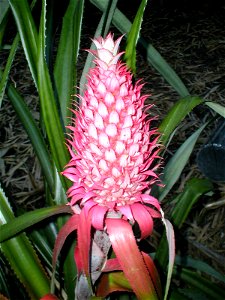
[[22, 257]]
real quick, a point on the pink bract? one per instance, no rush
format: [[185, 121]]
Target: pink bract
[[113, 151]]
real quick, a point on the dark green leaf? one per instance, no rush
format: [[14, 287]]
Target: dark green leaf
[[176, 114], [133, 36]]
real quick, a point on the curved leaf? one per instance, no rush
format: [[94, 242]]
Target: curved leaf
[[28, 219], [33, 132], [22, 257], [176, 114], [194, 188], [48, 105], [65, 66], [28, 32], [177, 163], [133, 36], [130, 258], [217, 108]]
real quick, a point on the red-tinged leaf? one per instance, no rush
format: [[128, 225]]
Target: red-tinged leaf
[[98, 216], [49, 297], [112, 264], [78, 260], [69, 227], [143, 218], [112, 282], [171, 246], [153, 273], [84, 238], [130, 258], [150, 200]]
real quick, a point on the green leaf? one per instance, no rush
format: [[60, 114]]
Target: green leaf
[[177, 163], [217, 108], [176, 114], [4, 13], [4, 9], [109, 15], [171, 246], [28, 219], [22, 257], [133, 36], [194, 279], [28, 32], [193, 190], [33, 132], [49, 110], [112, 282], [65, 67], [189, 262], [4, 75], [121, 22]]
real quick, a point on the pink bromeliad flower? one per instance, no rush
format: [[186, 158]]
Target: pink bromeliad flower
[[112, 167]]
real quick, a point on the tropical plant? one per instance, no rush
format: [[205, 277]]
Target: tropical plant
[[27, 247]]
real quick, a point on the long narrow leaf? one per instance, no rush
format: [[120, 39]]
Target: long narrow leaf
[[130, 258], [22, 257], [4, 76], [171, 246], [33, 132], [133, 36], [65, 66], [194, 188], [177, 163], [28, 32], [28, 219], [217, 108], [48, 106], [176, 114], [210, 289], [153, 56]]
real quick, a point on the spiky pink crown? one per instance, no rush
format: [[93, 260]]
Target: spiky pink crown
[[114, 145]]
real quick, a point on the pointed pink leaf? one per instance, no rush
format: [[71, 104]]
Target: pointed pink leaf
[[153, 212], [69, 227], [84, 238], [112, 265], [130, 258], [143, 218], [150, 200], [126, 211], [78, 261], [98, 216]]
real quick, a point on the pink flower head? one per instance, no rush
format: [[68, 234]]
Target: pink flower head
[[113, 149]]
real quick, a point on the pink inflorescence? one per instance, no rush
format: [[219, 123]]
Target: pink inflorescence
[[111, 166]]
